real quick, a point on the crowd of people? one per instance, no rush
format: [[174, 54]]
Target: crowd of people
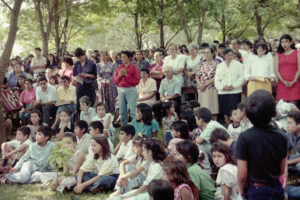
[[223, 134]]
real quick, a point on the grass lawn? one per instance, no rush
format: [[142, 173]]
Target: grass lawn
[[36, 192]]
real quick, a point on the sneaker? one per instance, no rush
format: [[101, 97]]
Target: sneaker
[[62, 190]]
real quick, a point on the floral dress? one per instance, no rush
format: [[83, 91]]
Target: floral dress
[[107, 89]]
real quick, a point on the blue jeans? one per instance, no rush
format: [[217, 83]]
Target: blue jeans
[[127, 96], [293, 192], [274, 192], [106, 182], [294, 169]]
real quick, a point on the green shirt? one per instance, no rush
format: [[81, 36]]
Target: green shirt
[[202, 181]]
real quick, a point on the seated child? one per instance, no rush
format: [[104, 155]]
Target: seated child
[[195, 105], [205, 122], [124, 149], [188, 117], [154, 152], [245, 123], [175, 172], [100, 173], [87, 112], [221, 135], [96, 129], [65, 124], [144, 122], [63, 182], [188, 152], [160, 189], [227, 172], [15, 149], [234, 129], [293, 125], [169, 116], [282, 110], [36, 122], [134, 170], [106, 119], [179, 132], [35, 159]]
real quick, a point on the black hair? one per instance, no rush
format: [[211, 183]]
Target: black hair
[[101, 104], [55, 78], [241, 106], [222, 45], [157, 149], [21, 76], [165, 107], [222, 148], [39, 114], [216, 42], [145, 70], [97, 125], [138, 139], [128, 54], [103, 141], [295, 115], [212, 50], [204, 114], [29, 80], [146, 111], [204, 45], [262, 45], [128, 129], [70, 135], [186, 107], [82, 125], [238, 55], [228, 50], [218, 134], [69, 61], [24, 130], [67, 111], [189, 150], [260, 108], [79, 52], [182, 128], [38, 49], [161, 189], [65, 78], [247, 42], [189, 116], [194, 104], [288, 37], [46, 130], [42, 78]]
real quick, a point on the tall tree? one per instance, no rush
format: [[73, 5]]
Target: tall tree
[[5, 57]]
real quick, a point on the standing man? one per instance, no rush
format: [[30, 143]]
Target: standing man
[[140, 62], [38, 63], [261, 151], [127, 78], [85, 71]]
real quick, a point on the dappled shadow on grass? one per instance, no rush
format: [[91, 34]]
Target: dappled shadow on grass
[[35, 192]]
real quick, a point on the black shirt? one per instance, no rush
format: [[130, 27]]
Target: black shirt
[[264, 150]]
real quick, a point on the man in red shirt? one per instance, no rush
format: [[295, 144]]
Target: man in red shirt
[[127, 78]]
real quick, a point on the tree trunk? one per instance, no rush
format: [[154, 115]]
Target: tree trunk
[[184, 24], [5, 58], [223, 27], [161, 24], [259, 28], [299, 5], [201, 18], [57, 35]]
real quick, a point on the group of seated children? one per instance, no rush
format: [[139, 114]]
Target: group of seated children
[[196, 159]]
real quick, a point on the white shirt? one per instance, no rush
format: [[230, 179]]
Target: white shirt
[[38, 62], [176, 64], [232, 75], [125, 150], [192, 64], [83, 144], [48, 95], [234, 132], [256, 66], [104, 119]]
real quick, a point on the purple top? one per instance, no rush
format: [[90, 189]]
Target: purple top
[[89, 68]]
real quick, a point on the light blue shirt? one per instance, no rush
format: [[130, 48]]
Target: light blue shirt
[[170, 87], [145, 129], [38, 157], [91, 113]]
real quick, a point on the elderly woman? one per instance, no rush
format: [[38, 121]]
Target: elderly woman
[[107, 89], [228, 81], [156, 68], [146, 88], [205, 76], [12, 78], [192, 63]]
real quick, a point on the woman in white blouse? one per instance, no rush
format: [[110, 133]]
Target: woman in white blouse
[[228, 81], [176, 61], [259, 69]]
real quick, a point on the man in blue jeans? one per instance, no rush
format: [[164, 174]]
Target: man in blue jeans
[[127, 78], [261, 151]]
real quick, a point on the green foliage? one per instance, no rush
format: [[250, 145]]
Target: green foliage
[[60, 156]]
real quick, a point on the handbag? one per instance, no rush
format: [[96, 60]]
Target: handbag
[[9, 102]]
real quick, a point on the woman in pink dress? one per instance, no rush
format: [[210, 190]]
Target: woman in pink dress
[[287, 69]]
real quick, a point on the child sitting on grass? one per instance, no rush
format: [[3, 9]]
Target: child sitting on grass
[[35, 159], [65, 124], [124, 150], [96, 129], [15, 149], [160, 189]]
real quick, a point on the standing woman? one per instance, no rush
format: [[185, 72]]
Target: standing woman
[[107, 88], [287, 69], [228, 81], [205, 76], [259, 69], [176, 61]]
